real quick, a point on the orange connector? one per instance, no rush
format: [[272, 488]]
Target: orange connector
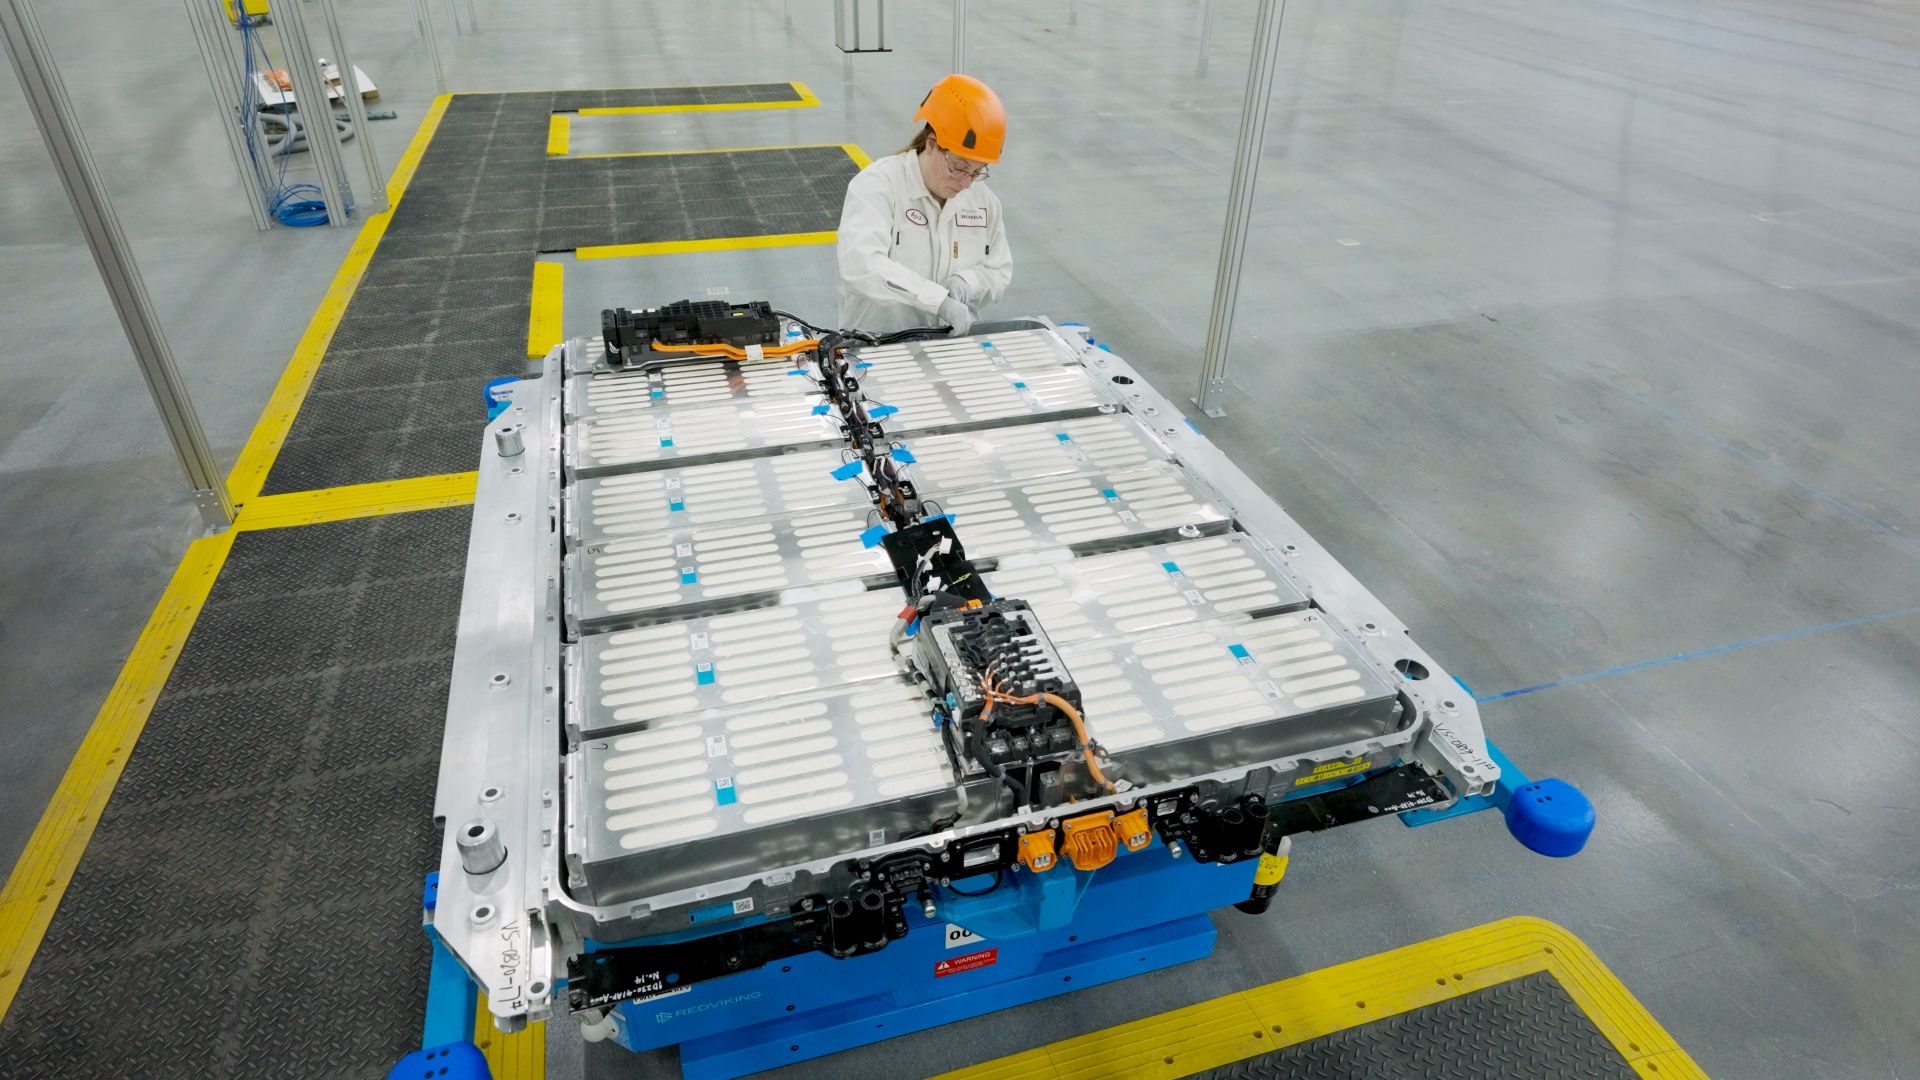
[[1090, 842], [1036, 850], [1132, 829]]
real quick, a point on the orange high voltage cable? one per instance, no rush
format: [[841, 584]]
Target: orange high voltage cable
[[735, 352]]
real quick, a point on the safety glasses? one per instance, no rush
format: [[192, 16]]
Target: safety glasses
[[957, 168]]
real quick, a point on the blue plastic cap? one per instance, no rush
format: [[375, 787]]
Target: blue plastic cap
[[1551, 817], [451, 1061]]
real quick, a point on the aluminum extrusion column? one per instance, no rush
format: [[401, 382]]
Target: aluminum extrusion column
[[208, 31], [316, 112], [376, 197], [1233, 240], [959, 37], [423, 14], [1206, 33], [53, 112]]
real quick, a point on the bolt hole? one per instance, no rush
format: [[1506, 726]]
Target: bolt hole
[[1549, 950], [795, 1048], [536, 989], [1635, 1047], [477, 831], [1456, 978], [1440, 981], [1276, 1029], [1122, 380], [789, 1008], [1359, 1004], [1073, 937], [1449, 705], [673, 977], [1066, 978], [1411, 668], [1168, 1060], [1259, 1034]]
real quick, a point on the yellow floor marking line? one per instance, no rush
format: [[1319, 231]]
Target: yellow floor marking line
[[1239, 1026], [690, 247], [559, 130], [270, 432], [806, 100], [549, 302], [858, 155], [519, 1056], [357, 501], [45, 868]]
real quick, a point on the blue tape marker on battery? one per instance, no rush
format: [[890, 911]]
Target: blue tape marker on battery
[[1170, 567], [848, 471], [676, 504], [1109, 493], [1239, 652], [986, 344], [723, 791], [703, 674], [862, 366], [1063, 436], [881, 412], [903, 455], [822, 409], [798, 371], [873, 536], [666, 442], [1019, 385], [689, 577], [657, 393]]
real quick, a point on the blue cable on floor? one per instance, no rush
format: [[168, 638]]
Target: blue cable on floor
[[1659, 661]]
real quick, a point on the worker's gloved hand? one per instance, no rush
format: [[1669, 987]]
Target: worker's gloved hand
[[958, 288], [955, 314]]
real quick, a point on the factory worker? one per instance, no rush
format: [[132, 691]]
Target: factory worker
[[922, 240]]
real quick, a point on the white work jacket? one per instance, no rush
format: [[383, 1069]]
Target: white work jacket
[[897, 244]]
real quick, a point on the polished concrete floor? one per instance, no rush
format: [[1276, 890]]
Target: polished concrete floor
[[1586, 334]]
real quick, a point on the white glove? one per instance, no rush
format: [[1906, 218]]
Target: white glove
[[955, 314], [958, 288]]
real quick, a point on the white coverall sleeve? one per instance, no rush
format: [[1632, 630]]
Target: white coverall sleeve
[[990, 278], [866, 236]]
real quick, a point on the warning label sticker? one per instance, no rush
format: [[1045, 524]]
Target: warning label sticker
[[956, 965]]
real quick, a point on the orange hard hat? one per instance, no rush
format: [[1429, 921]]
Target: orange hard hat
[[966, 116]]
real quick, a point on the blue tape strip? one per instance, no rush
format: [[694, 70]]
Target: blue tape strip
[[873, 536], [1239, 651], [1109, 493], [689, 577], [986, 344], [903, 455], [723, 791], [798, 371], [658, 393], [847, 471], [703, 674], [666, 442], [676, 504], [1017, 385], [862, 366], [1191, 424], [1063, 436], [881, 412], [1170, 567], [822, 409]]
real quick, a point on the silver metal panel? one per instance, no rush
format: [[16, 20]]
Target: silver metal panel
[[1076, 510], [984, 399], [1123, 594], [1011, 354], [655, 438], [712, 381], [721, 792], [1111, 442], [633, 504], [680, 572], [658, 674]]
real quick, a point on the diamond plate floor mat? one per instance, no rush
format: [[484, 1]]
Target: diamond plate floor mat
[[249, 903], [1526, 1029], [443, 303]]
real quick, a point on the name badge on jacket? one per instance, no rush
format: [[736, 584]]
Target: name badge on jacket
[[972, 219]]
